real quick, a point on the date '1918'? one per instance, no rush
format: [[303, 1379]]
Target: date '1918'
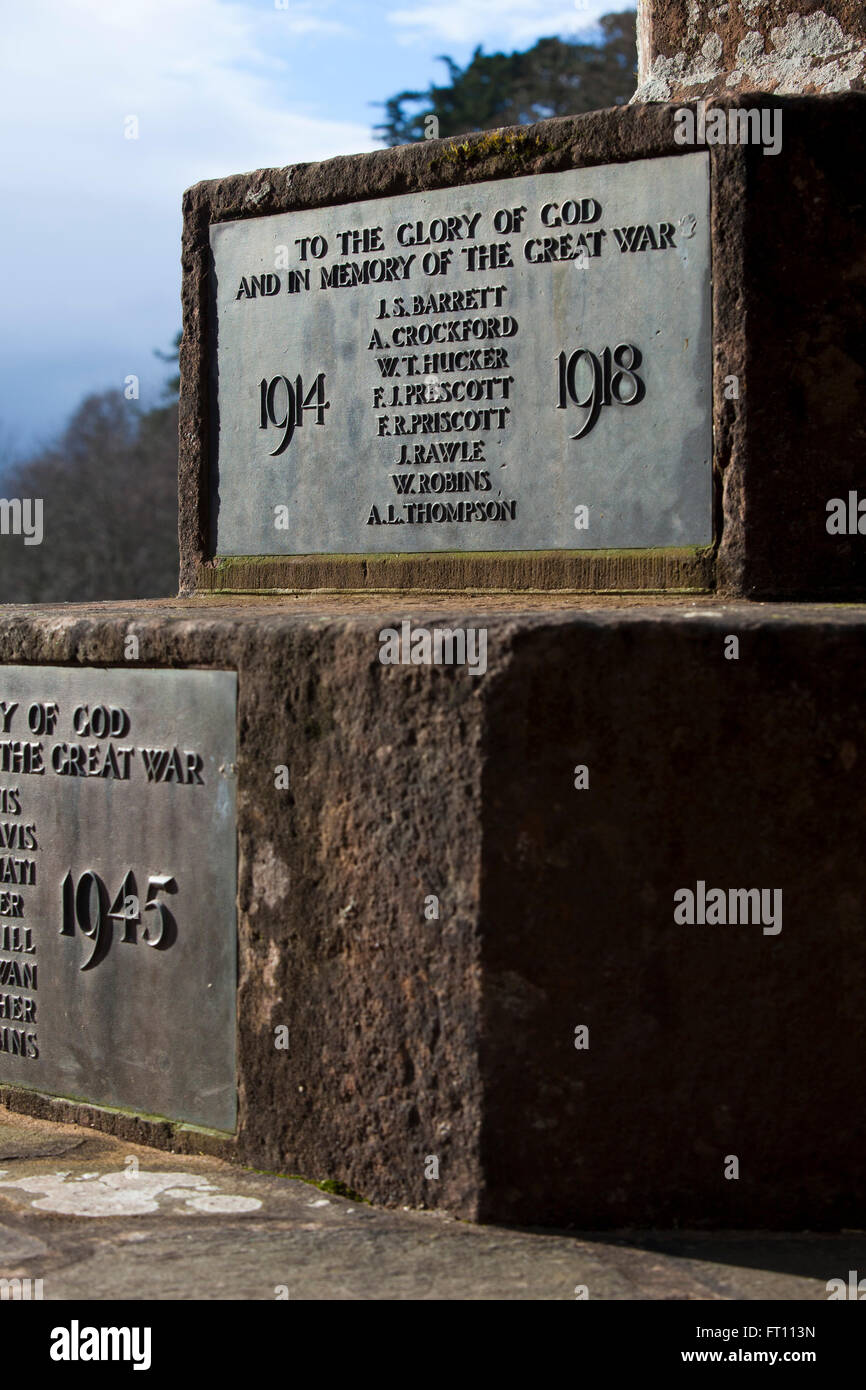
[[284, 408], [602, 384], [87, 904]]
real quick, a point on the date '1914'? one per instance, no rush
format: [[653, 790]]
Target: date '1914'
[[285, 408]]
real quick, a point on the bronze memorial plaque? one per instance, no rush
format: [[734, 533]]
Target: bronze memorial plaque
[[118, 888], [515, 365]]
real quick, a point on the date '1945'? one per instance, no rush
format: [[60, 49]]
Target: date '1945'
[[86, 903]]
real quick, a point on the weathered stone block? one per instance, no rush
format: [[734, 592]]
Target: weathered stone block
[[413, 1036]]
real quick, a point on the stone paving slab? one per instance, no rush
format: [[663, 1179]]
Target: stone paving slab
[[97, 1218]]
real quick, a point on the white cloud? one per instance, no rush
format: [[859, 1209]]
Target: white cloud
[[208, 82], [91, 220], [516, 22], [308, 18]]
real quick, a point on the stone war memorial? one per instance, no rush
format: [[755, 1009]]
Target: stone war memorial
[[481, 827]]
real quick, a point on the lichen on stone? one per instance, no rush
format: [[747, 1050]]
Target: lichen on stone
[[810, 53]]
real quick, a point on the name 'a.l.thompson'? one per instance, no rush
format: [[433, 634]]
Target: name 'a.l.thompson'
[[729, 907]]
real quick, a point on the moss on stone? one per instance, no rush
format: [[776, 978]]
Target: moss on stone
[[515, 147], [340, 1189]]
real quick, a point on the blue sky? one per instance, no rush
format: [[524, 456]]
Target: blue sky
[[90, 230]]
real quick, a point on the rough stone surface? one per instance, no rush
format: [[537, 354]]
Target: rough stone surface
[[208, 1231], [789, 301], [455, 1037], [696, 48], [796, 268]]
